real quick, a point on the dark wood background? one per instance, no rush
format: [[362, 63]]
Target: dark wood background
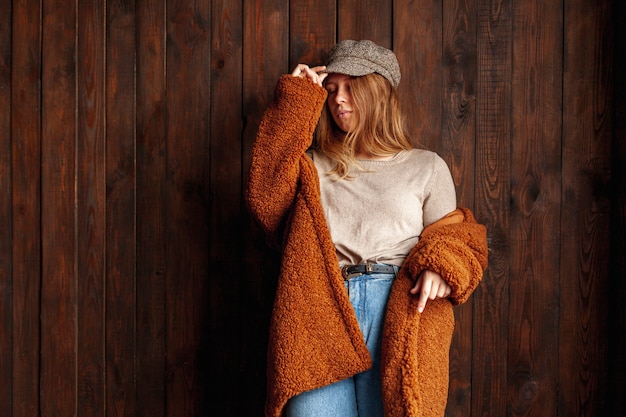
[[132, 282]]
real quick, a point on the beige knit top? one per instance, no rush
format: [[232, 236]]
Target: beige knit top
[[378, 214]]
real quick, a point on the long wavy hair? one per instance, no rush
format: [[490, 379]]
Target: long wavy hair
[[379, 128]]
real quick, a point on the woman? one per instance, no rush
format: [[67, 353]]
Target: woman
[[374, 249]]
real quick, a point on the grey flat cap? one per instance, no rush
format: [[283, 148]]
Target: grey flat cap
[[357, 58]]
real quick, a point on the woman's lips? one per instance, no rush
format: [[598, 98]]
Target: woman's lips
[[343, 113]]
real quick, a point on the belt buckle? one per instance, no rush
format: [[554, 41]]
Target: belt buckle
[[348, 276]]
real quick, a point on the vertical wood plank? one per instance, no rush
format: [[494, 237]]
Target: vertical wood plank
[[90, 182], [228, 321], [120, 262], [151, 208], [58, 199], [417, 41], [188, 58], [6, 216], [265, 59], [535, 208], [312, 31], [458, 148], [458, 96], [617, 308], [365, 19], [493, 155], [585, 224], [25, 177]]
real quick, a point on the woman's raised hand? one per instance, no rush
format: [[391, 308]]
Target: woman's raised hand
[[315, 74]]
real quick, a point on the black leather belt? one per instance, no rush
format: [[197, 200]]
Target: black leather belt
[[351, 271]]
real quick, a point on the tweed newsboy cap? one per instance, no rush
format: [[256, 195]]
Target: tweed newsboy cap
[[357, 58]]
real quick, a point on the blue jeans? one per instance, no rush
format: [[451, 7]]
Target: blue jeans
[[360, 395]]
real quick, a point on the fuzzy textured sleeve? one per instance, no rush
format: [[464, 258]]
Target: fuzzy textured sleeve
[[415, 355], [456, 248], [285, 133]]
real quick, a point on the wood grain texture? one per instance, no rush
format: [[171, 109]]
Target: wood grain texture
[[25, 194], [585, 216], [365, 19], [266, 59], [6, 217], [313, 31], [91, 209], [458, 149], [58, 197], [617, 284], [120, 209], [187, 199], [151, 218], [533, 344], [417, 42], [493, 172], [227, 341]]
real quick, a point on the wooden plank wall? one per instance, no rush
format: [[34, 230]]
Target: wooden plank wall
[[133, 283], [617, 268]]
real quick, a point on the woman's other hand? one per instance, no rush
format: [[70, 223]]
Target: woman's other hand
[[429, 285], [315, 74]]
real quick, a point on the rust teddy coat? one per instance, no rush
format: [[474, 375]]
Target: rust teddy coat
[[314, 336]]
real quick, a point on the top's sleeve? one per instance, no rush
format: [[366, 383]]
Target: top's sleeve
[[441, 194], [285, 133]]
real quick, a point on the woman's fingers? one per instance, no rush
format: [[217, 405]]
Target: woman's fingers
[[430, 285], [424, 295], [299, 70], [315, 74]]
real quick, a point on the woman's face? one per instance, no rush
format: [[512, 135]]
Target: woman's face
[[340, 101]]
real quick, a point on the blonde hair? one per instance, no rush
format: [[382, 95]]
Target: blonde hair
[[379, 128]]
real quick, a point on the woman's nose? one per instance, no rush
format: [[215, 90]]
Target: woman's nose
[[341, 96]]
